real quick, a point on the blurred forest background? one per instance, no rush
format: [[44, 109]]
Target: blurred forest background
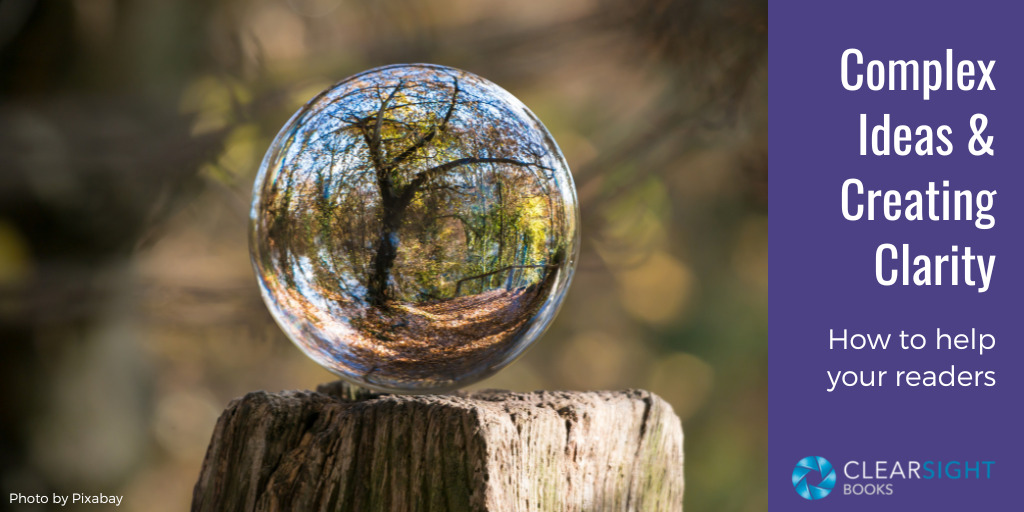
[[130, 134]]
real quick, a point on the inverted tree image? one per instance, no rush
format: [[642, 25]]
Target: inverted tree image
[[414, 213]]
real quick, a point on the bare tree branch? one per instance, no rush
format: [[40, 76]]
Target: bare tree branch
[[422, 140], [375, 149], [424, 176], [458, 284]]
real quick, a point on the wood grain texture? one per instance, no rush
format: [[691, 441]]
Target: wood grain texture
[[341, 449]]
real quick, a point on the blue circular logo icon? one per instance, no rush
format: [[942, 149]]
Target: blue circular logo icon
[[820, 472]]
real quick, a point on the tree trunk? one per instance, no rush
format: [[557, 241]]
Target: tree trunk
[[384, 259], [337, 449]]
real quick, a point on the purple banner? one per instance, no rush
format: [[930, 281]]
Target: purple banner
[[897, 197]]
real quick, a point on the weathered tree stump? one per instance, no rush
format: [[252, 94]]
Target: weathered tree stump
[[338, 449]]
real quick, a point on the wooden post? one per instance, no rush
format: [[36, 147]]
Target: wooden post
[[339, 449]]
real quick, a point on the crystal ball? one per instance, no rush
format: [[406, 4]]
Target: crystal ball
[[414, 228]]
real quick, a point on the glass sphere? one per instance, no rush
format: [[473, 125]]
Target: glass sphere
[[414, 228]]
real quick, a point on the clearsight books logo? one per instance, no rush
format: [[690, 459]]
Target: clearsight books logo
[[815, 478], [817, 470]]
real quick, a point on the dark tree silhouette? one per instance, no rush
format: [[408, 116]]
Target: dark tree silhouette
[[427, 144], [414, 213], [395, 195]]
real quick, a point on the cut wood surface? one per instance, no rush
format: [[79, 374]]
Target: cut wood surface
[[343, 449]]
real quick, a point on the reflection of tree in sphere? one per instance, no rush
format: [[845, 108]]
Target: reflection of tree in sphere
[[414, 228]]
